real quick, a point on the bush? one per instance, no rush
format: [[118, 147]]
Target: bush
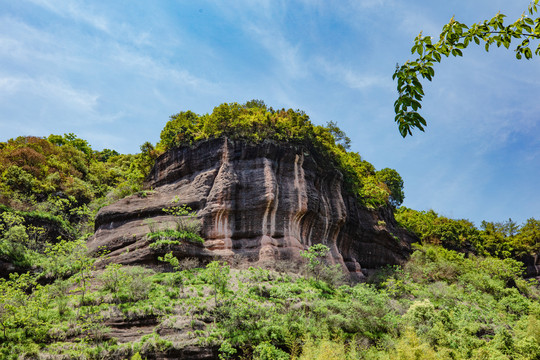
[[421, 315], [325, 349], [187, 228], [267, 351], [126, 283]]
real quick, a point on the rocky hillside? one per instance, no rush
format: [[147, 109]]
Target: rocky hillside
[[259, 203]]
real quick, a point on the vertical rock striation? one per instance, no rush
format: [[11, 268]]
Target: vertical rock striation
[[263, 202]]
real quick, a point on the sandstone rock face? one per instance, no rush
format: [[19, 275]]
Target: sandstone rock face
[[263, 203], [532, 265]]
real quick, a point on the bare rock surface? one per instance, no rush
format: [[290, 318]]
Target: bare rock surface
[[532, 265], [126, 330], [261, 202], [7, 267]]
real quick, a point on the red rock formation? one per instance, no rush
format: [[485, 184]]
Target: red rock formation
[[263, 202]]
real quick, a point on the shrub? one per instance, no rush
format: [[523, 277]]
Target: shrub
[[187, 228], [421, 315], [326, 349], [128, 283], [218, 276], [18, 179], [410, 347], [267, 351]]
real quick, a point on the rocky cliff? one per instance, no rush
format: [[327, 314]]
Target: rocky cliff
[[260, 203]]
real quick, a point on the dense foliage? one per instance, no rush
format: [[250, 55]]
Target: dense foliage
[[441, 304], [472, 303], [51, 188], [499, 239], [255, 122]]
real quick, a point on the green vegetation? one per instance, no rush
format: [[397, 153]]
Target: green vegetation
[[186, 228], [51, 188], [455, 37], [61, 174], [461, 295], [441, 304], [502, 240], [255, 122]]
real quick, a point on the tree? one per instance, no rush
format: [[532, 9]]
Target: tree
[[315, 256], [179, 130], [339, 136], [218, 272], [177, 277], [255, 103], [393, 180], [528, 237], [455, 37]]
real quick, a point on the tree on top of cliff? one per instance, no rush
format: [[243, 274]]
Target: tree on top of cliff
[[454, 37], [393, 180], [255, 122]]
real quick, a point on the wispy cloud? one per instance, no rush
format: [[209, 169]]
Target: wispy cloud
[[77, 11], [59, 68], [347, 6], [264, 22], [353, 78], [50, 89], [278, 46], [150, 67], [22, 42]]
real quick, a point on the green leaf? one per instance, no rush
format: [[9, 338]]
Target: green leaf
[[491, 32]]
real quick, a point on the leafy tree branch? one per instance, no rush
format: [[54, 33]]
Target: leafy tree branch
[[455, 37]]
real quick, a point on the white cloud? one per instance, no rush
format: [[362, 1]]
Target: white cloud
[[9, 85], [412, 22], [346, 6], [22, 42], [274, 41], [75, 10], [44, 98], [352, 78], [147, 66], [264, 22], [50, 89]]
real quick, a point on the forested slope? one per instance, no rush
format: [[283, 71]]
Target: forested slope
[[462, 294]]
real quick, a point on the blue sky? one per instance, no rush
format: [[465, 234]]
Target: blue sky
[[113, 71]]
